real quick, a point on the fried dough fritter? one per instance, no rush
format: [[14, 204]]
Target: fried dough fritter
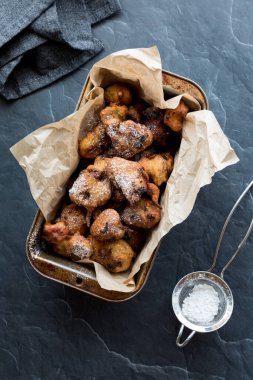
[[116, 256], [152, 114], [169, 159], [143, 214], [116, 202], [128, 176], [62, 247], [113, 115], [152, 118], [134, 238], [79, 248], [71, 221], [111, 152], [134, 114], [90, 189], [118, 93], [113, 203], [94, 142], [97, 212], [129, 138], [100, 163], [75, 219], [107, 226], [117, 195], [153, 192], [157, 166], [174, 118], [136, 109], [55, 232]]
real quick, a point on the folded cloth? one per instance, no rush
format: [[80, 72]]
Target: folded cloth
[[41, 41]]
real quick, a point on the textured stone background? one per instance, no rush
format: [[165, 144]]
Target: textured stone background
[[48, 331]]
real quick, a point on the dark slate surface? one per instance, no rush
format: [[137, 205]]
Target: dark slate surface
[[48, 331]]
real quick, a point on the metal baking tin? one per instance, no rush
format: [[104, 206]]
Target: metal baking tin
[[82, 276]]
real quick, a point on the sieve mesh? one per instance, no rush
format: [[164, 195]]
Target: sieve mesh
[[186, 290]]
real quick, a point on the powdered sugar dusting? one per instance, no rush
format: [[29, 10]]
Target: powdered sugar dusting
[[129, 138], [202, 304], [89, 190], [129, 176], [80, 249], [108, 225]]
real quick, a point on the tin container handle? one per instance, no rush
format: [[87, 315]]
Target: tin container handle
[[187, 340]]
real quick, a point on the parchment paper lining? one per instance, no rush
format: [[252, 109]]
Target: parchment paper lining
[[49, 155]]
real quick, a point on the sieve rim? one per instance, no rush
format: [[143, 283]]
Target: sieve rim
[[222, 285]]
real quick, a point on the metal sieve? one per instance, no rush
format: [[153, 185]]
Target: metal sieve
[[185, 286]]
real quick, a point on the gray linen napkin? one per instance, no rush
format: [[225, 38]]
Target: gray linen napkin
[[41, 41]]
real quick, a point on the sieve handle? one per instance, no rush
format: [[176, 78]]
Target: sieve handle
[[224, 229], [238, 249], [187, 340]]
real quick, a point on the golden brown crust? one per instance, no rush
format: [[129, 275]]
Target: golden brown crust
[[107, 226], [157, 166], [174, 118], [135, 238], [62, 247], [79, 248], [135, 110], [55, 232], [74, 218], [94, 142], [117, 196], [116, 256], [100, 163], [153, 192], [72, 221], [90, 189], [129, 177], [169, 161], [113, 115], [143, 214], [129, 138], [118, 93], [152, 118]]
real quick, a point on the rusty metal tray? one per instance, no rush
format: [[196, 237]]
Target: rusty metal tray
[[82, 276]]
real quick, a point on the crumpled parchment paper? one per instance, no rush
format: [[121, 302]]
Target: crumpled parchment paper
[[49, 155]]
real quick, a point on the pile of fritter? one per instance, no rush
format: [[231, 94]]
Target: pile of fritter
[[114, 201]]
